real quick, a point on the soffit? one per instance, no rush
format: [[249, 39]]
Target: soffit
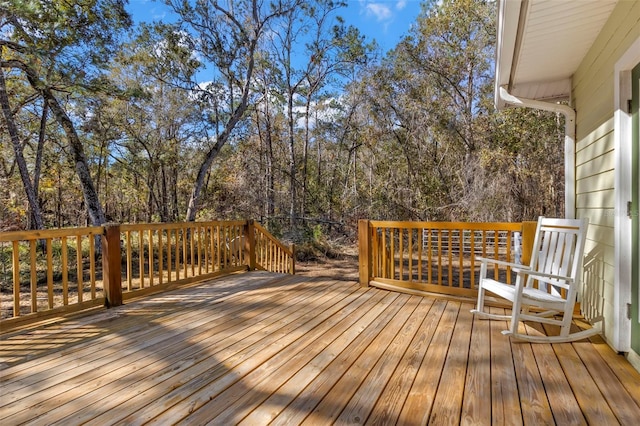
[[541, 43]]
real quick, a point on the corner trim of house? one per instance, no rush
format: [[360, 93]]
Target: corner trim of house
[[622, 280]]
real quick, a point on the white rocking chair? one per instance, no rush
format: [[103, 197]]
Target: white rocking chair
[[550, 282]]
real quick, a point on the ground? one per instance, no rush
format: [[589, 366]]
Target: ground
[[343, 269]]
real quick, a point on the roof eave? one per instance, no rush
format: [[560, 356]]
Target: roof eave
[[508, 27]]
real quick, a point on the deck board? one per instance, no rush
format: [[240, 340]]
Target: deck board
[[533, 399], [261, 348], [475, 410], [505, 404]]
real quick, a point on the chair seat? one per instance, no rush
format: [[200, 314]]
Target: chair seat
[[508, 291]]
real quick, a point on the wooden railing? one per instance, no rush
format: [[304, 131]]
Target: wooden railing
[[438, 256], [175, 253], [271, 254], [44, 270], [63, 270]]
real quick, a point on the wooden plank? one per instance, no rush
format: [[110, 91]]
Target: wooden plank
[[357, 336], [625, 409], [489, 226], [505, 404], [255, 347], [306, 365], [419, 402], [533, 399], [564, 406], [389, 404], [127, 328], [398, 285], [106, 367], [330, 407], [628, 377], [363, 401], [39, 360], [594, 407], [477, 388], [312, 394], [48, 233], [241, 343], [448, 401], [195, 392]]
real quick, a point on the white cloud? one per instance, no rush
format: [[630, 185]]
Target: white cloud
[[401, 4], [381, 11]]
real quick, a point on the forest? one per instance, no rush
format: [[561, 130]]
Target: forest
[[274, 110]]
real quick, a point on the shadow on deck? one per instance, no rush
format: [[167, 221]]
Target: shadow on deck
[[256, 348]]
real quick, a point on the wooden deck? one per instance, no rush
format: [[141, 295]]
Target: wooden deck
[[257, 348]]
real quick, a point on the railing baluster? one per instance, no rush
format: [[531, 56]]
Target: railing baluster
[[79, 269], [33, 276], [141, 257], [401, 253], [50, 276], [92, 260], [460, 268], [169, 254], [65, 264], [128, 250], [160, 258], [450, 257], [472, 268], [420, 234], [15, 255], [150, 258]]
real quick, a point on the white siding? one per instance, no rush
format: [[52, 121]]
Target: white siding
[[593, 99]]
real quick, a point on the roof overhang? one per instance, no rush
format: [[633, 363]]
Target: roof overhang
[[541, 43]]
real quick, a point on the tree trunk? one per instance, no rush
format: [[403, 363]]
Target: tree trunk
[[22, 164], [292, 163], [37, 170], [92, 202], [194, 200]]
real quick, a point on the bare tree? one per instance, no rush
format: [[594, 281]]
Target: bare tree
[[226, 37]]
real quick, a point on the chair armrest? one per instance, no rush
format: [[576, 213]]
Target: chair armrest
[[546, 275], [518, 267]]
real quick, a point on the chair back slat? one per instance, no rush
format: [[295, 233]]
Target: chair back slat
[[557, 241]]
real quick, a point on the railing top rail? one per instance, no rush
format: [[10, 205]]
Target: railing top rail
[[479, 226], [179, 225], [93, 230], [49, 233]]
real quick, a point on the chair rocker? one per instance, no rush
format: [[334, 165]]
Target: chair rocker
[[549, 284]]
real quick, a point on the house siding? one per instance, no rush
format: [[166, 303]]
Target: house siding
[[593, 99]]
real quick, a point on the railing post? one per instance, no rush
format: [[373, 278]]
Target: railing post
[[293, 259], [250, 244], [364, 252], [528, 235], [111, 265]]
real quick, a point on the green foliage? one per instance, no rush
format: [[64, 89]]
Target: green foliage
[[316, 145], [315, 245]]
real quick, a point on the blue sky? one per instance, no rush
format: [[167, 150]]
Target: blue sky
[[386, 21]]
